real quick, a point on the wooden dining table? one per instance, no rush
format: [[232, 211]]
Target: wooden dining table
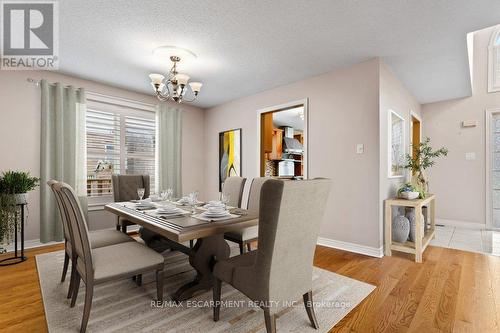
[[210, 245]]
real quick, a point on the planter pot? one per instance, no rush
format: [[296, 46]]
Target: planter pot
[[21, 198], [400, 229], [409, 195]]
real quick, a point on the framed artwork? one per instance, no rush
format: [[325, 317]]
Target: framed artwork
[[396, 145], [229, 155]]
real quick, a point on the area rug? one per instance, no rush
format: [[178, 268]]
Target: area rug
[[122, 306]]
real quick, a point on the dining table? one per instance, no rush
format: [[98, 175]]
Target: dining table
[[210, 244]]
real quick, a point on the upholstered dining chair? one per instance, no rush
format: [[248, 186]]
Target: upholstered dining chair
[[98, 238], [244, 237], [125, 189], [290, 214], [104, 264], [234, 186]]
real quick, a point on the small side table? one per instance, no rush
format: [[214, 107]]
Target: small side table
[[16, 259], [421, 240]]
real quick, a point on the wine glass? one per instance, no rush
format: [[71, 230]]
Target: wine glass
[[170, 192], [193, 200], [225, 199], [140, 192]]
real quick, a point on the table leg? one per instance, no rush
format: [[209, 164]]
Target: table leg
[[418, 234], [388, 229], [203, 257]]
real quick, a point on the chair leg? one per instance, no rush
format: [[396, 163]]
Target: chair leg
[[191, 244], [270, 320], [76, 287], [242, 248], [308, 303], [65, 266], [118, 226], [124, 229], [159, 285], [138, 279], [72, 278], [217, 292], [89, 292], [249, 247]]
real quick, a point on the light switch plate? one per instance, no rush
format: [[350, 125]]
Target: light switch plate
[[470, 156], [360, 148]]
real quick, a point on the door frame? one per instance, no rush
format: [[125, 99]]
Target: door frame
[[410, 134], [282, 107], [488, 118]]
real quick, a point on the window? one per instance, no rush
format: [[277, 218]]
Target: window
[[494, 61], [120, 140]]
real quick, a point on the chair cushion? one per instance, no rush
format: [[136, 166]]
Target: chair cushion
[[244, 234], [124, 260], [101, 238], [224, 269]]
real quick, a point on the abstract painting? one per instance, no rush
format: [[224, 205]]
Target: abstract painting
[[229, 155]]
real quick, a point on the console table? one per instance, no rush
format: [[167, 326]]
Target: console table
[[421, 240]]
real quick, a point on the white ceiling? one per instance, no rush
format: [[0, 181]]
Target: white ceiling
[[290, 117], [244, 47]]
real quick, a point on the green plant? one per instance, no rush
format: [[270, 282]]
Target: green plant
[[406, 187], [14, 182], [423, 158]]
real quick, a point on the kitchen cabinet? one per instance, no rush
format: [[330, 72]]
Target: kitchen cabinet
[[277, 145], [266, 132]]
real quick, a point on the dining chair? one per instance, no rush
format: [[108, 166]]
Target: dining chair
[[104, 264], [279, 272], [98, 238], [234, 186], [125, 189], [244, 237]]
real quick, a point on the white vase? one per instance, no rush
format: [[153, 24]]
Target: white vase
[[21, 198]]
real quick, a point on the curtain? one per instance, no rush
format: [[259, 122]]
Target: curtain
[[168, 149], [62, 151]]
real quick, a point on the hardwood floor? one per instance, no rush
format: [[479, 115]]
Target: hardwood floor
[[452, 291]]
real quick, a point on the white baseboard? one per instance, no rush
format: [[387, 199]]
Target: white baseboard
[[460, 224], [352, 247]]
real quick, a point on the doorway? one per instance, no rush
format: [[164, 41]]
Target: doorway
[[415, 133], [283, 141]]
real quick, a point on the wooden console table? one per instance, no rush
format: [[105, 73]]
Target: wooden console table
[[421, 240]]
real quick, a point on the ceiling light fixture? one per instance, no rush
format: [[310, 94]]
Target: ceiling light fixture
[[173, 86]]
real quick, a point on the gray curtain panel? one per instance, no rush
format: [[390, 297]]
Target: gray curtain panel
[[62, 151], [168, 148]]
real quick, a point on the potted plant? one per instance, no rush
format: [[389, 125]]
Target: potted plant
[[14, 186], [408, 191], [424, 158], [18, 184]]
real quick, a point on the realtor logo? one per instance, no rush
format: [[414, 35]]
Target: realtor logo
[[29, 36]]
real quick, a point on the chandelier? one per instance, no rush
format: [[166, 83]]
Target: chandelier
[[174, 86]]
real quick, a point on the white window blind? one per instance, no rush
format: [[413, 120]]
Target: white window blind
[[120, 140]]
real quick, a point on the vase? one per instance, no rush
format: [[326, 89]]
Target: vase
[[21, 198], [400, 229], [410, 215]]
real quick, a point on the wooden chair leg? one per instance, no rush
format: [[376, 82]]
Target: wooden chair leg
[[191, 244], [308, 304], [89, 293], [76, 287], [124, 229], [249, 247], [65, 266], [270, 320], [217, 292], [159, 285], [118, 227], [242, 248], [138, 280], [72, 278]]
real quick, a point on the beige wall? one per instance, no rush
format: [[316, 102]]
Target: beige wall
[[20, 134], [393, 96], [343, 111], [460, 184]]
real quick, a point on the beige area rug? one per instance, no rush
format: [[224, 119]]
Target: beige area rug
[[122, 306]]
